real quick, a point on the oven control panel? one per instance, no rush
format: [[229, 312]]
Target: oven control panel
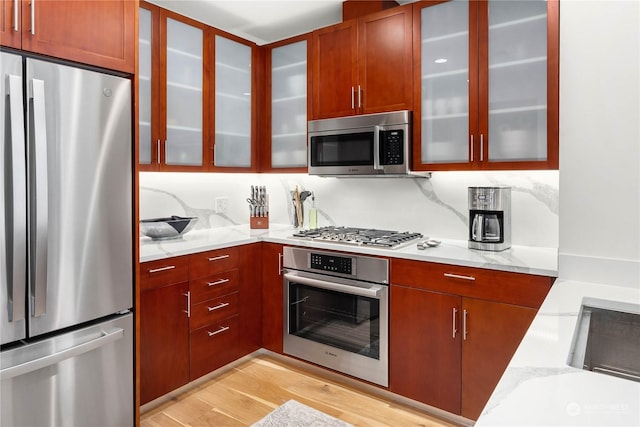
[[332, 263]]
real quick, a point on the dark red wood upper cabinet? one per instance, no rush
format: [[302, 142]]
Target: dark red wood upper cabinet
[[100, 33], [364, 65]]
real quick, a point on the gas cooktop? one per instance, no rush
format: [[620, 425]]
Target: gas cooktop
[[360, 236]]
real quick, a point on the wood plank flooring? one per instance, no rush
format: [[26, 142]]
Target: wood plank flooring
[[248, 392]]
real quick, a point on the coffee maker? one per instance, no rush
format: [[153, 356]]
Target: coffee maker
[[490, 218]]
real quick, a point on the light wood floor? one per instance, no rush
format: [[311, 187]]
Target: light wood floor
[[248, 392]]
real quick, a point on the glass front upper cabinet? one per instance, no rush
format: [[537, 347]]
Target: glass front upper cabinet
[[489, 77], [184, 94], [232, 147], [445, 74], [517, 81], [145, 87], [289, 106]]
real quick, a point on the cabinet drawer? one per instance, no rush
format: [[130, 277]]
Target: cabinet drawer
[[214, 286], [212, 262], [154, 274], [501, 286], [214, 346], [213, 310]]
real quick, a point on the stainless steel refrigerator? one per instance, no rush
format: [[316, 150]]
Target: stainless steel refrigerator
[[66, 237]]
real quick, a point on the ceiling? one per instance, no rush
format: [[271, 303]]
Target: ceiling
[[261, 21]]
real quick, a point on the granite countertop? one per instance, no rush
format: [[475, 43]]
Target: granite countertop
[[521, 259], [539, 388]]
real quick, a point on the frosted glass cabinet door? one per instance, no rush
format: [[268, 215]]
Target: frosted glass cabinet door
[[517, 80], [233, 104], [144, 86], [289, 105], [184, 94], [445, 83]]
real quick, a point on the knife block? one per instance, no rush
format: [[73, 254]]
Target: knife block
[[259, 221]]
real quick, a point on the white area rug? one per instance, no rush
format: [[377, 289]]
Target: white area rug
[[295, 414]]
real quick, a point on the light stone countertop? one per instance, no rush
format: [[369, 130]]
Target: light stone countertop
[[521, 259], [539, 388]]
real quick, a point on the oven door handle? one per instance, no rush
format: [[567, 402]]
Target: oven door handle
[[372, 292]]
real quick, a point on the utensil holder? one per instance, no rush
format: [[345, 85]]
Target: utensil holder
[[259, 221]]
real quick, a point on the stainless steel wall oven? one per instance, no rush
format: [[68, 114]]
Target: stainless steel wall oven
[[336, 311]]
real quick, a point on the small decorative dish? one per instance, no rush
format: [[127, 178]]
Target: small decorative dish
[[171, 227]]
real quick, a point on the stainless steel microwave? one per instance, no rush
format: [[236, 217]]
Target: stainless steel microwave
[[369, 144]]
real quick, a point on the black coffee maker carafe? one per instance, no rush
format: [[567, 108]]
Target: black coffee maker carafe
[[490, 218]]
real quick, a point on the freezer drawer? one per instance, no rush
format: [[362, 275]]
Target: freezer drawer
[[82, 378]]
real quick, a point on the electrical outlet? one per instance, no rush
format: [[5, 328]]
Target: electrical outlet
[[222, 205]]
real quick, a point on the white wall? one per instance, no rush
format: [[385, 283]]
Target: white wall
[[600, 141]]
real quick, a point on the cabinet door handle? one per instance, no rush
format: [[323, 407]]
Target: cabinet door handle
[[359, 97], [218, 282], [464, 325], [459, 276], [218, 258], [280, 256], [15, 16], [455, 329], [219, 331], [481, 147], [188, 310], [218, 307], [158, 152], [353, 96], [158, 270], [472, 147], [33, 17]]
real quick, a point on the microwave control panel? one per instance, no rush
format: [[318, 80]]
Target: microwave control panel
[[332, 263], [391, 147]]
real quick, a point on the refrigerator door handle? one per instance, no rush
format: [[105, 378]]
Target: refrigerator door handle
[[40, 208], [18, 239], [52, 359]]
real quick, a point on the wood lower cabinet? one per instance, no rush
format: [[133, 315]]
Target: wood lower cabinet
[[250, 339], [272, 297], [491, 336], [425, 347], [214, 346], [453, 330], [197, 313], [164, 327], [225, 299], [100, 33]]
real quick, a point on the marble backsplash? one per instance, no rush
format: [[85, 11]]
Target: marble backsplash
[[436, 207]]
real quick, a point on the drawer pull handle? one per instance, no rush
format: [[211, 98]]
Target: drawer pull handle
[[218, 282], [218, 258], [158, 270], [219, 331], [217, 307], [459, 276]]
